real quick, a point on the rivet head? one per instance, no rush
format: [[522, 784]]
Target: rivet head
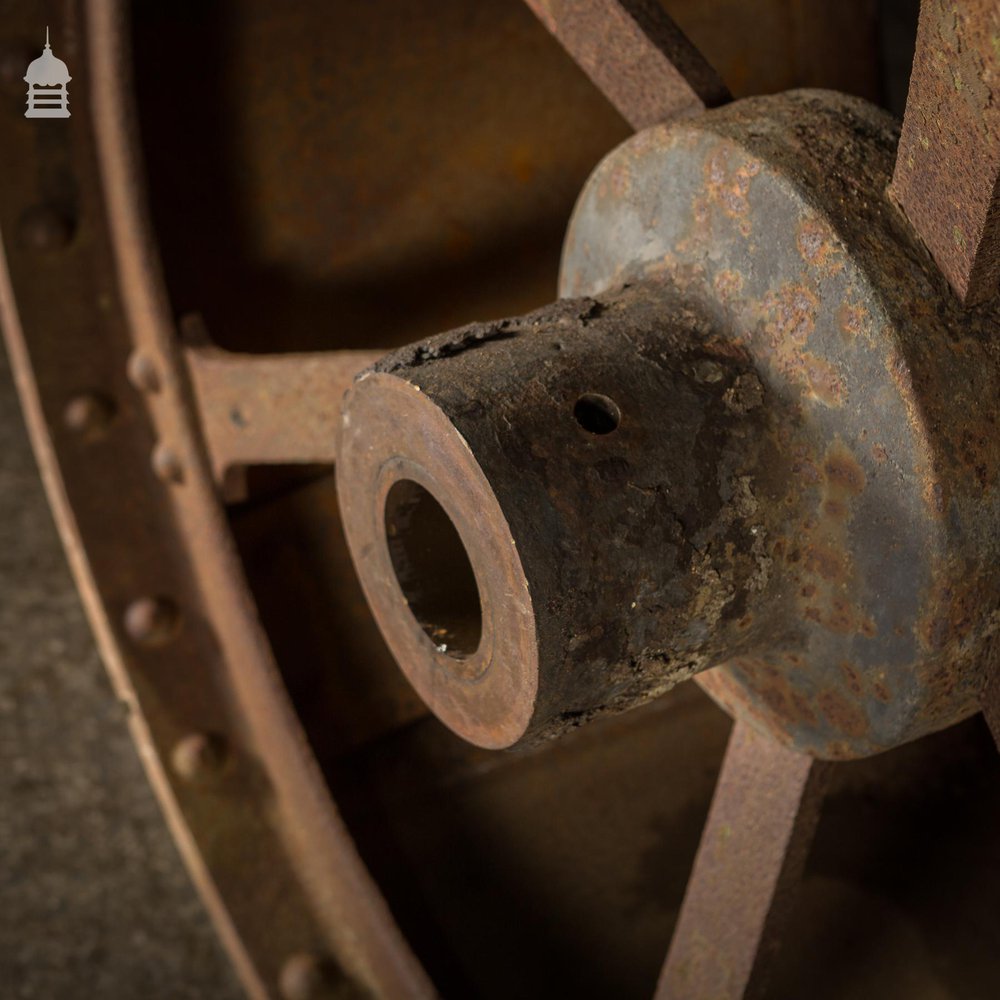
[[152, 621], [142, 372], [199, 756], [307, 976], [166, 464], [89, 414], [44, 228]]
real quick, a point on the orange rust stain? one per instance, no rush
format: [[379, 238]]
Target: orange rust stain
[[729, 187], [817, 245], [899, 372], [777, 700], [806, 470], [825, 562], [728, 285], [845, 618], [779, 696], [843, 714], [838, 750], [841, 617], [790, 315], [803, 709], [935, 498], [835, 509], [879, 453], [621, 181], [824, 380], [851, 320], [851, 677], [843, 473], [954, 610]]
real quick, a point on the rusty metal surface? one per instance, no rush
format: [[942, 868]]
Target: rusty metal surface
[[251, 815], [83, 846], [636, 55], [947, 175], [242, 783], [261, 409], [837, 551], [746, 873], [773, 212], [602, 548]]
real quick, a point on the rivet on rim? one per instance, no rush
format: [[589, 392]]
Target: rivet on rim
[[198, 756], [307, 976], [89, 414], [152, 621], [142, 372], [166, 464]]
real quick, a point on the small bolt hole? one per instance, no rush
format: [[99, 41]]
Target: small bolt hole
[[596, 413]]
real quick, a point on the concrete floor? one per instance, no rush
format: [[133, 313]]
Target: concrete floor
[[94, 900]]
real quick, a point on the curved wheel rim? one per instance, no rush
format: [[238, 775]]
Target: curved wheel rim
[[206, 679]]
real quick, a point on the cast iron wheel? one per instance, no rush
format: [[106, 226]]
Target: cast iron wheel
[[191, 479]]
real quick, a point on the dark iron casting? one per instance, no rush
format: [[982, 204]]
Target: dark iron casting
[[799, 480]]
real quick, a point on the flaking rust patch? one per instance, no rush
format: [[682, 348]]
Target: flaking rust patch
[[727, 188], [822, 560], [818, 246]]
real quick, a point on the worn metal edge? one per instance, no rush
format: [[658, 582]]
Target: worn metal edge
[[330, 870], [76, 556]]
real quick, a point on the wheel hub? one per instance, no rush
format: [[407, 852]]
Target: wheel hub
[[742, 453]]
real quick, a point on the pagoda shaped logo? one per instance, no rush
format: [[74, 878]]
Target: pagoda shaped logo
[[47, 80]]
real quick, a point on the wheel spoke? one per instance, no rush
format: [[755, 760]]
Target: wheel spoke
[[749, 864], [258, 409], [636, 55], [948, 165]]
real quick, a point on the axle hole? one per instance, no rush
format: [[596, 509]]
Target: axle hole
[[596, 413], [433, 569]]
